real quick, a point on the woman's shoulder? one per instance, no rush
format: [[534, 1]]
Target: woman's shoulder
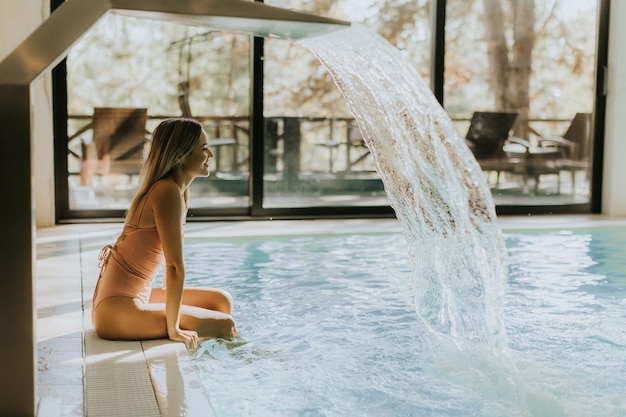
[[166, 193], [162, 196], [165, 187], [165, 200]]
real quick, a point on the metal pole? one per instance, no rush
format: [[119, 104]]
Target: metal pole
[[18, 370]]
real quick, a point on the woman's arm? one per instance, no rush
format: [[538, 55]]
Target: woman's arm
[[169, 210]]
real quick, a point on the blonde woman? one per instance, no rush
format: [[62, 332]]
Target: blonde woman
[[125, 306]]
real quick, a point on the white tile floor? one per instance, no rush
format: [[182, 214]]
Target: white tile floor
[[59, 326], [81, 374]]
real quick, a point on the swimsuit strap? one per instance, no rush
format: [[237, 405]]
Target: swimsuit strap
[[103, 260], [143, 204], [103, 257]]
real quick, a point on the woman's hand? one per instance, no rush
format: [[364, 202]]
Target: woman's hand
[[188, 337]]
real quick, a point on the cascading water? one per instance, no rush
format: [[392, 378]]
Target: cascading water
[[441, 197], [434, 184]]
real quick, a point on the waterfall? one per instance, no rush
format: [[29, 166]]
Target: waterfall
[[434, 184]]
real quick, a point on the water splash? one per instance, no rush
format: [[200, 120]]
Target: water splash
[[434, 184], [442, 199]]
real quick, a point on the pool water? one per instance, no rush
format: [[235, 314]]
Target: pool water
[[329, 328]]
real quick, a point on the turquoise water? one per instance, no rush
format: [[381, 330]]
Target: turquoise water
[[329, 328]]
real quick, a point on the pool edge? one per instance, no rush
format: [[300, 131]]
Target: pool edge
[[176, 382]]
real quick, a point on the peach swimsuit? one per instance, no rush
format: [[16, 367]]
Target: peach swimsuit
[[129, 266]]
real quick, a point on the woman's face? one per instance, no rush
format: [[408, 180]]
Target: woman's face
[[196, 164]]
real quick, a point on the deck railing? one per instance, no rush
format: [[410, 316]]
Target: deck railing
[[294, 145]]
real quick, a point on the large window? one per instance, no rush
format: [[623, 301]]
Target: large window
[[128, 74], [518, 79], [522, 74], [315, 154]]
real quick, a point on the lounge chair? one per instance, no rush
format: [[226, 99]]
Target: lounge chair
[[537, 161], [486, 137], [554, 154], [575, 146]]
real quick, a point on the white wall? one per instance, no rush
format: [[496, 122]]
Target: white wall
[[20, 17], [613, 190]]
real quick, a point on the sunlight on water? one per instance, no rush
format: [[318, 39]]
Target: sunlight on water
[[329, 329]]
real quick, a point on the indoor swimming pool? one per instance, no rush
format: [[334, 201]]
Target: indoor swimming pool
[[329, 328]]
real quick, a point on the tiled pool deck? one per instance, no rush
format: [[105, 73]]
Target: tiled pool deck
[[81, 374]]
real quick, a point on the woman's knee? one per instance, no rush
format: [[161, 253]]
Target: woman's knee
[[220, 300], [209, 298], [209, 324], [226, 327], [224, 302]]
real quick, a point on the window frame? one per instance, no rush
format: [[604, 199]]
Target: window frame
[[255, 209]]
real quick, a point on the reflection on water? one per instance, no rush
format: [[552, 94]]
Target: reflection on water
[[329, 328]]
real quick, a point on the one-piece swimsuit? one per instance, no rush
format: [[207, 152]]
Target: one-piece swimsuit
[[129, 266]]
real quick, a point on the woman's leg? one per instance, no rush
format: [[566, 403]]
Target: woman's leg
[[120, 318], [207, 298], [208, 323], [123, 318]]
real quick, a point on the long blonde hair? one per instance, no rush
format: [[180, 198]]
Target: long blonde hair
[[172, 140]]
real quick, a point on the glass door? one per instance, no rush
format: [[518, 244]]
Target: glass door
[[518, 78], [123, 78], [314, 154], [520, 84]]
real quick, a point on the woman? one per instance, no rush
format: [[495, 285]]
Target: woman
[[124, 304]]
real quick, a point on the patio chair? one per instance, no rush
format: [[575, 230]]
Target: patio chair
[[554, 154], [119, 136], [575, 146], [487, 136], [537, 161]]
